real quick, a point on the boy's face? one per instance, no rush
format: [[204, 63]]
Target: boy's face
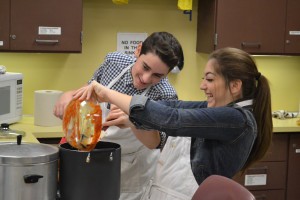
[[148, 70]]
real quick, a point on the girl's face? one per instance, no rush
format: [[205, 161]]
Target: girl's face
[[148, 70], [214, 87]]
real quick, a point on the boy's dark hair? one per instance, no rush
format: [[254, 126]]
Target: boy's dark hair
[[166, 47]]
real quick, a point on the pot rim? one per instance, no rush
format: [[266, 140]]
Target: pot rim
[[100, 146]]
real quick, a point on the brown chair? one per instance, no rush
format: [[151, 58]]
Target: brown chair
[[217, 187]]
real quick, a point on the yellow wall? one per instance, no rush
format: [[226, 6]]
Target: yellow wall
[[102, 20]]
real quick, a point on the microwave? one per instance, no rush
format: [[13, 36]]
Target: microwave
[[11, 97]]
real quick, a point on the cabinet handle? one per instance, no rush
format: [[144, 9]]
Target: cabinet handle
[[46, 41], [13, 37], [251, 45], [260, 197], [257, 170]]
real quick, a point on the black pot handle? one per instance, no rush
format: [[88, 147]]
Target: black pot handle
[[32, 178]]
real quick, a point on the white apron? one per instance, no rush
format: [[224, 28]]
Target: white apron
[[138, 163], [174, 179]]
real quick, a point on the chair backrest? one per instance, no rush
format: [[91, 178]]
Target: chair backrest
[[217, 187]]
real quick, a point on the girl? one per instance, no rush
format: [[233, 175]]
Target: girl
[[223, 135]]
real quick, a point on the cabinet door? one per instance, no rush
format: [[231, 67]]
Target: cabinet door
[[256, 26], [269, 194], [4, 24], [278, 150], [292, 32], [206, 26], [264, 176], [43, 25], [293, 189]]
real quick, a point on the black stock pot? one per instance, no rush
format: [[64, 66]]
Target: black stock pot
[[90, 175]]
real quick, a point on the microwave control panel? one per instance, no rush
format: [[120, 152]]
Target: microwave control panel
[[19, 94]]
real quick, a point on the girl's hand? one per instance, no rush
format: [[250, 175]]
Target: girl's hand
[[117, 117], [94, 91]]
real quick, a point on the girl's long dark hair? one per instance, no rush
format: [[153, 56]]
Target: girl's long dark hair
[[236, 64]]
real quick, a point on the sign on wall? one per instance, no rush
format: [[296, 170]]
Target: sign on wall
[[128, 42]]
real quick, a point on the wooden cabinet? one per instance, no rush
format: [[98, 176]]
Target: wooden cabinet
[[41, 25], [292, 31], [276, 176], [4, 24], [256, 26], [293, 178]]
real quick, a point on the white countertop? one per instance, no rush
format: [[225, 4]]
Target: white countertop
[[33, 132], [285, 125]]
